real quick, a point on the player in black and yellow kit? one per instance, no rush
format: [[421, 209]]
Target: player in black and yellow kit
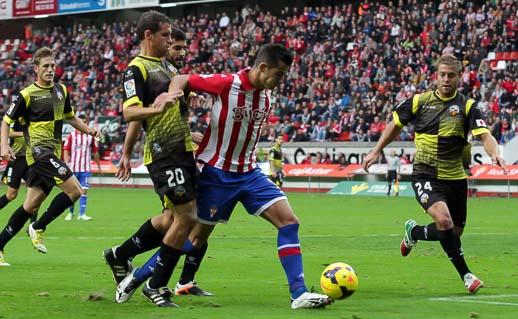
[[17, 168], [168, 155], [442, 119], [43, 106], [275, 159]]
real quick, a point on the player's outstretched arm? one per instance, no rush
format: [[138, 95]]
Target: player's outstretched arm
[[124, 169], [82, 127], [178, 85], [388, 136], [491, 147]]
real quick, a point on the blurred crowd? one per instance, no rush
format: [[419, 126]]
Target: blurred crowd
[[353, 63]]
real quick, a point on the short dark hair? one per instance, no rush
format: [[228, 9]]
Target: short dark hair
[[178, 34], [150, 20], [272, 54], [43, 52]]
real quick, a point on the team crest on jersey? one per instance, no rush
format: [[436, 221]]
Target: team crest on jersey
[[454, 110], [179, 191], [129, 87], [60, 96], [129, 72], [15, 98], [424, 198]]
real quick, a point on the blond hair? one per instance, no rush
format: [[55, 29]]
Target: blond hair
[[449, 59]]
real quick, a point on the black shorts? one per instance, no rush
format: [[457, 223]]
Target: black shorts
[[454, 193], [48, 172], [174, 178], [15, 171], [391, 176]]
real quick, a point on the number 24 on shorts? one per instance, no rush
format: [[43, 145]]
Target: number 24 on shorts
[[419, 186]]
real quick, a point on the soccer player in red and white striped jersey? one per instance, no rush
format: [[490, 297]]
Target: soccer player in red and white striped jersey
[[78, 151], [230, 174]]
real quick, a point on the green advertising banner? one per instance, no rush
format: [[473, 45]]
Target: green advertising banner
[[371, 189]]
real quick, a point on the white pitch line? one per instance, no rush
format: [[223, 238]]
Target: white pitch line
[[475, 299]]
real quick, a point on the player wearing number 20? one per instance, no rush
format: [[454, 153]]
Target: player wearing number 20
[[442, 120]]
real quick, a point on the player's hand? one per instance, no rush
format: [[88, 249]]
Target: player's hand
[[499, 161], [95, 134], [6, 152], [370, 159], [163, 101], [197, 137], [124, 169], [195, 101]]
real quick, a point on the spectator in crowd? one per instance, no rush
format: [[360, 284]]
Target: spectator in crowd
[[350, 63]]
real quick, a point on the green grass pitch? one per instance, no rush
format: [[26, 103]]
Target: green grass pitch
[[242, 268]]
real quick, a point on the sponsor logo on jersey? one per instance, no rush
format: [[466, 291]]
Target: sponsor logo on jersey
[[60, 96]]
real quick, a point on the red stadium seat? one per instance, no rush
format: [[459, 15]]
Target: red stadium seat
[[344, 136], [514, 55], [499, 56], [506, 56], [492, 64]]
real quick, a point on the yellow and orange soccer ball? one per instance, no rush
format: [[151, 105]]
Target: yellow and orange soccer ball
[[339, 281]]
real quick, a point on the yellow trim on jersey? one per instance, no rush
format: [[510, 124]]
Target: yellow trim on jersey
[[69, 114], [469, 103], [26, 97], [415, 103], [479, 131], [8, 120], [133, 101], [58, 181], [446, 99], [142, 68], [168, 203], [396, 119], [64, 90]]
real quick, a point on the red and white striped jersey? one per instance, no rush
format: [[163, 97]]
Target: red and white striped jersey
[[238, 113], [80, 146]]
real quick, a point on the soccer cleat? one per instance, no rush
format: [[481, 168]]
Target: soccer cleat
[[190, 288], [472, 283], [127, 287], [120, 269], [69, 217], [36, 236], [84, 217], [2, 260], [407, 243], [159, 296], [311, 300]]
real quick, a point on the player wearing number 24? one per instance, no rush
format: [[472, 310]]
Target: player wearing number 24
[[442, 120]]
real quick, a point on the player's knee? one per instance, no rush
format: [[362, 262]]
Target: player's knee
[[11, 194], [444, 222]]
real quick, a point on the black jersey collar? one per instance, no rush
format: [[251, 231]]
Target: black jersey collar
[[44, 87], [151, 58]]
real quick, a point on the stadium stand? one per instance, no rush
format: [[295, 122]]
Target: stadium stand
[[352, 65]]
